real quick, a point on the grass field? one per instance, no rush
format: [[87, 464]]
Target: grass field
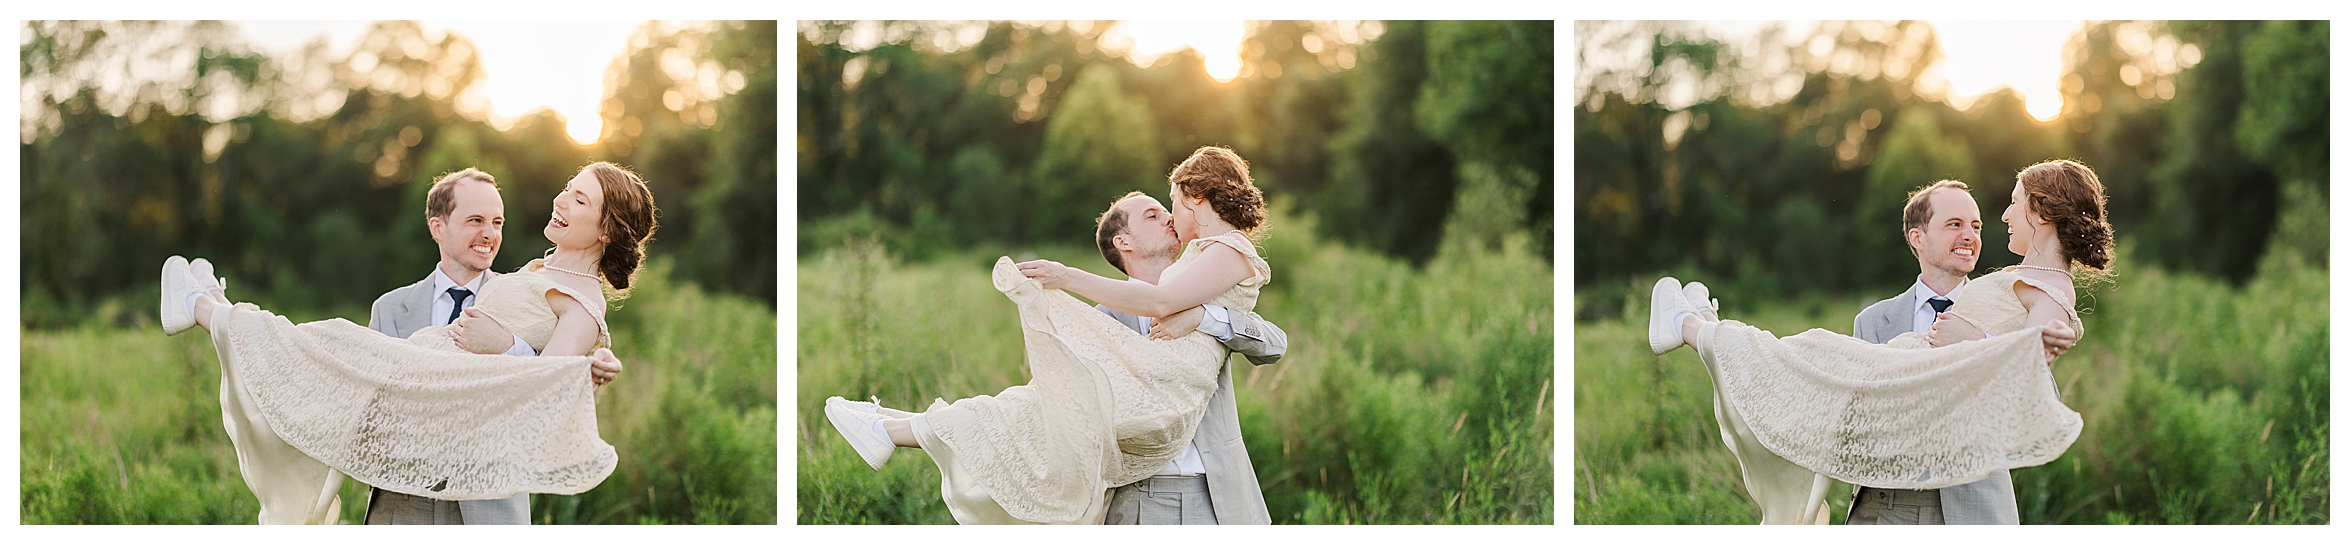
[[1409, 396], [121, 425], [2202, 404]]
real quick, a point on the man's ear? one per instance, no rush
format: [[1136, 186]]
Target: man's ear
[[432, 226], [1122, 243], [1917, 240]]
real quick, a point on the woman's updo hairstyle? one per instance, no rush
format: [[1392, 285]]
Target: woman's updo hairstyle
[[1220, 176], [629, 220], [2068, 195]]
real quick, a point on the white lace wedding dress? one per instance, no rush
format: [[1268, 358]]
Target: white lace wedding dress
[[1106, 407], [306, 404], [1902, 415]]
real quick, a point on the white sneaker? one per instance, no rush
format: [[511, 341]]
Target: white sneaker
[[205, 281], [873, 406], [178, 284], [857, 427], [1666, 303], [1700, 301]]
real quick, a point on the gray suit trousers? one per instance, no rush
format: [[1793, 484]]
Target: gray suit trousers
[[1163, 500]]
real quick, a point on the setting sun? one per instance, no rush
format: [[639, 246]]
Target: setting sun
[[526, 66], [1218, 42], [1979, 57]]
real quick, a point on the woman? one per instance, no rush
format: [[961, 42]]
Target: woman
[[1106, 407], [306, 404], [1924, 411]]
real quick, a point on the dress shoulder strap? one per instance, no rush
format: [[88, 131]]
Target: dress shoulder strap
[[1239, 241], [541, 283], [2054, 291]]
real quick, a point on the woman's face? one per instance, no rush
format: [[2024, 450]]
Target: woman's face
[[2023, 225], [1184, 214], [579, 213]]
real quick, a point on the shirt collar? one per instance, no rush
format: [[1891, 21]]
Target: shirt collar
[[441, 282], [1923, 293]]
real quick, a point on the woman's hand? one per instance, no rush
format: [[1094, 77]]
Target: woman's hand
[[1052, 274], [477, 333], [606, 368], [1175, 326], [2058, 338], [1950, 329]]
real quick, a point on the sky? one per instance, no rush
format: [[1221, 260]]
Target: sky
[[1981, 56], [526, 65]]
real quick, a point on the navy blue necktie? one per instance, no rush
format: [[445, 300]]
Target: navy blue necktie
[[1940, 305], [458, 294]]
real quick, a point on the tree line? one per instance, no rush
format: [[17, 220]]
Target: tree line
[[1784, 165], [935, 136], [303, 176]]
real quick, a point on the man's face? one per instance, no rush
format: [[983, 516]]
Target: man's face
[[470, 235], [1150, 230], [1951, 240]]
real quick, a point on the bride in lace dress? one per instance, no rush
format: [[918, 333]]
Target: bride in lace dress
[[1923, 411], [1106, 407], [306, 404]]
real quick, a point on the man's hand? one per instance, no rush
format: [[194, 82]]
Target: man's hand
[[1175, 326], [477, 333], [1051, 274], [2059, 337], [1950, 329], [606, 367]]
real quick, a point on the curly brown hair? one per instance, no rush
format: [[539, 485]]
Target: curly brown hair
[[629, 220], [1221, 176], [2068, 195]]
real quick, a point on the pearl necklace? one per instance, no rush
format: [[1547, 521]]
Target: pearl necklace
[[2049, 269], [552, 267]]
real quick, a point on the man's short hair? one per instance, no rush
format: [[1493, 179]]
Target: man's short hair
[[1920, 209], [441, 200], [1109, 226]]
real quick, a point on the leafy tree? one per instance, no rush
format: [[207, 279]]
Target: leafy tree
[[1097, 146]]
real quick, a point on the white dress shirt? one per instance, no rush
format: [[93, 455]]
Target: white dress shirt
[[442, 303], [1216, 322], [1922, 318]]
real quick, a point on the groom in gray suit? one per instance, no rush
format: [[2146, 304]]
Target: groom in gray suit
[[1212, 482], [464, 215], [1945, 232]]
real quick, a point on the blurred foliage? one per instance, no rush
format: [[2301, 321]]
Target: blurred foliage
[[122, 426], [304, 176], [1760, 160], [934, 137]]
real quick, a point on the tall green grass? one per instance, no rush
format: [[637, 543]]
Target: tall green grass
[[1409, 396], [122, 424], [2202, 403]]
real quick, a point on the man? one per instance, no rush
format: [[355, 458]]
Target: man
[[1945, 232], [1212, 481], [465, 216]]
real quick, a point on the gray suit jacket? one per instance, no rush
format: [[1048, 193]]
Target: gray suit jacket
[[1988, 501], [401, 312], [1232, 480]]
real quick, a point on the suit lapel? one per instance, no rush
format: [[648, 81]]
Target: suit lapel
[[1903, 317], [419, 311]]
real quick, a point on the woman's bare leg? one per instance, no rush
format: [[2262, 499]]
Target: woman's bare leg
[[1689, 325], [205, 304], [901, 432]]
